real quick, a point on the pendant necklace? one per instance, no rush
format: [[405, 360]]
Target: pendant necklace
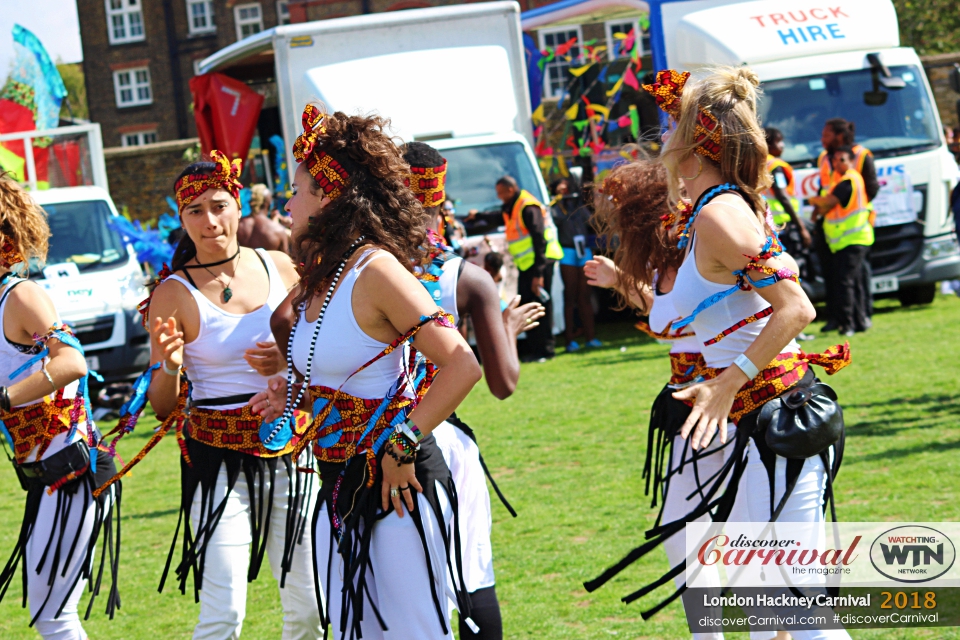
[[227, 291]]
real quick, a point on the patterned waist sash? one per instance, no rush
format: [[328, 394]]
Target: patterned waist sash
[[37, 424], [237, 429], [781, 375], [685, 367]]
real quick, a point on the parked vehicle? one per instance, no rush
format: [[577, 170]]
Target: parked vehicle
[[820, 61], [92, 275]]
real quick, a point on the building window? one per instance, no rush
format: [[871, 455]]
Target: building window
[[283, 11], [615, 45], [138, 138], [124, 21], [132, 87], [200, 16], [249, 19], [555, 77]]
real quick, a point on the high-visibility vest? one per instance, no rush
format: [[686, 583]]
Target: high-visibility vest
[[849, 225], [830, 178], [780, 215], [519, 242]]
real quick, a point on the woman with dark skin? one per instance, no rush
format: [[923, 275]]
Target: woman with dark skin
[[572, 218]]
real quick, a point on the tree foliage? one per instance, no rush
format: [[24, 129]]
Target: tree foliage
[[72, 74], [929, 26]]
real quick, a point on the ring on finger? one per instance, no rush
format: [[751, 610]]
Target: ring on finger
[[394, 492], [406, 488]]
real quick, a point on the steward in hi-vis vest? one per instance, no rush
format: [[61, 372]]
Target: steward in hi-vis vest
[[519, 241], [781, 172], [849, 223]]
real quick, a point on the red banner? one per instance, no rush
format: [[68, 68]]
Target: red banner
[[226, 112]]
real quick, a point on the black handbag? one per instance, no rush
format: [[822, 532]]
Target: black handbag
[[802, 422], [73, 458]]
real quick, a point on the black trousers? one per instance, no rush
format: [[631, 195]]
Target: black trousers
[[539, 342], [827, 270], [850, 291]]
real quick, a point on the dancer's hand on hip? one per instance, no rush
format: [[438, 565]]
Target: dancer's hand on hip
[[270, 403], [711, 408], [401, 479]]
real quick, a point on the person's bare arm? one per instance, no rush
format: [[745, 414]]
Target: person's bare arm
[[170, 308], [723, 241], [29, 312]]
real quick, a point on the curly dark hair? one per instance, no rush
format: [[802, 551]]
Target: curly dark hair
[[634, 198], [374, 203], [420, 154]]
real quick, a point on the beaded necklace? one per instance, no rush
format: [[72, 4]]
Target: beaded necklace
[[274, 428], [703, 201]]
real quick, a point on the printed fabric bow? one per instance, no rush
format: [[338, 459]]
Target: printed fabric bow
[[10, 255], [307, 141], [667, 89], [226, 176]]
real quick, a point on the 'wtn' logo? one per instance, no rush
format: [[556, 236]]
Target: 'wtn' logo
[[912, 553]]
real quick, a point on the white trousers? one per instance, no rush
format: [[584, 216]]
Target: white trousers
[[462, 456], [398, 579], [76, 534], [682, 496], [805, 504], [223, 596]]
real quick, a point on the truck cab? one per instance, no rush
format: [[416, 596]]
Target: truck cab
[[91, 274], [819, 61]]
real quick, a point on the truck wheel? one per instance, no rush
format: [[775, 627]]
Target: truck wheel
[[923, 294]]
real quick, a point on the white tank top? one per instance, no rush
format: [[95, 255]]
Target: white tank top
[[691, 288], [662, 312], [448, 287], [214, 360], [12, 357], [343, 347]]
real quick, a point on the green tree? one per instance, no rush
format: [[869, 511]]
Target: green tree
[[929, 26], [72, 74]]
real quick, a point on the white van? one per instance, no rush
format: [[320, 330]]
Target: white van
[[826, 60], [91, 274]]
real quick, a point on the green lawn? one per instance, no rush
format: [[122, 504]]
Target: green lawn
[[568, 451]]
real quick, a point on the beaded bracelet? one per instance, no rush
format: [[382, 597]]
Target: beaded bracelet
[[401, 458], [399, 440]]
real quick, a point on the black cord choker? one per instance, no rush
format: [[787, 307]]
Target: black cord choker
[[212, 264], [227, 291]]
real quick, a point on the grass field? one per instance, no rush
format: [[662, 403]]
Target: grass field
[[568, 451]]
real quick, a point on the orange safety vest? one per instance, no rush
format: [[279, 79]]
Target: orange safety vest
[[829, 178], [519, 242], [850, 224]]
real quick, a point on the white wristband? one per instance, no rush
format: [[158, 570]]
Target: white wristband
[[748, 368], [170, 372]]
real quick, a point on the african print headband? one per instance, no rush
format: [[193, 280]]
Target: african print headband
[[328, 171], [226, 176], [9, 253], [667, 91], [427, 183]]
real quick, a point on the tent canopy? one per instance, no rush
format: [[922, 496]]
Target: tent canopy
[[570, 12]]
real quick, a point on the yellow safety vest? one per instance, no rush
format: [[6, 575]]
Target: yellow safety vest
[[780, 215], [519, 242], [849, 225], [829, 178]]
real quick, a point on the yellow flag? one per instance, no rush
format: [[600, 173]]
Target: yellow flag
[[615, 88], [579, 71], [537, 116], [571, 113], [562, 165], [598, 108]]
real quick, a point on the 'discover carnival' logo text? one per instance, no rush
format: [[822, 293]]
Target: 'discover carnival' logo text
[[912, 553]]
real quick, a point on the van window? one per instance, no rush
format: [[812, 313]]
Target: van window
[[472, 173], [80, 234], [800, 106]]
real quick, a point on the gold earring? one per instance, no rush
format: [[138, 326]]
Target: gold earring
[[699, 170]]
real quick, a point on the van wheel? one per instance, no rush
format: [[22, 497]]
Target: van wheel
[[923, 294]]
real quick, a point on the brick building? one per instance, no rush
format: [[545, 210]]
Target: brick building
[[139, 56]]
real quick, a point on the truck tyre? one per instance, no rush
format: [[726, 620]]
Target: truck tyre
[[923, 294]]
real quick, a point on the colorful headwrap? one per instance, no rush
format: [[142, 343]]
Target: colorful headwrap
[[427, 183], [667, 91], [329, 172], [226, 176], [9, 253]]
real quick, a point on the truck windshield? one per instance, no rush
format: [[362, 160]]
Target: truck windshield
[[798, 107], [472, 173], [80, 234]]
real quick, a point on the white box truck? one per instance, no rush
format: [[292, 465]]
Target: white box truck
[[92, 275], [820, 60], [452, 76]]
